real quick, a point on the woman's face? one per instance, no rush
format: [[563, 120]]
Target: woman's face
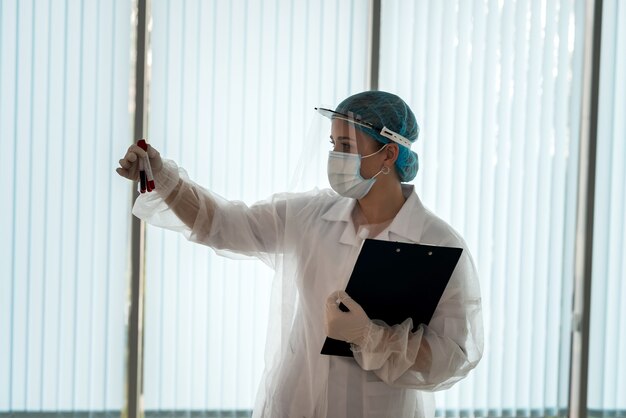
[[346, 138]]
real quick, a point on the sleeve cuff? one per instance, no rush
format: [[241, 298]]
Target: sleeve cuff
[[167, 178]]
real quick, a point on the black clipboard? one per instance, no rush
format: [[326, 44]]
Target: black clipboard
[[393, 281]]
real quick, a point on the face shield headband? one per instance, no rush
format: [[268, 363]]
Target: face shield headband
[[384, 131]]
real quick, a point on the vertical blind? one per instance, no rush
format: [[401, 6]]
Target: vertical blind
[[233, 85], [64, 120], [495, 85], [607, 360]]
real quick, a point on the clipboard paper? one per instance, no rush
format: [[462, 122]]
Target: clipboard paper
[[393, 281]]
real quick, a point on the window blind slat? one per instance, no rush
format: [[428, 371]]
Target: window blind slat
[[608, 328]]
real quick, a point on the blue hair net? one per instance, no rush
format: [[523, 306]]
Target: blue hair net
[[385, 109]]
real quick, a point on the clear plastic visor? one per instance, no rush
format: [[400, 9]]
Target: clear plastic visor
[[345, 133], [330, 135]]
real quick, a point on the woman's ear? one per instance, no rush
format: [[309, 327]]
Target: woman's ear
[[392, 152]]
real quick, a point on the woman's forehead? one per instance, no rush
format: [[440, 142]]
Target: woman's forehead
[[346, 130]]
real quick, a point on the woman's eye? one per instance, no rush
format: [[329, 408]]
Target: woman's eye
[[341, 145]]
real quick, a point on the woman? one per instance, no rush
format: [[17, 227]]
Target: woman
[[312, 240]]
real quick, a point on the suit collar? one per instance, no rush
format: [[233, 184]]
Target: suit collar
[[408, 224]]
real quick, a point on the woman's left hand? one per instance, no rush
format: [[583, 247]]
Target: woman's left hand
[[352, 326]]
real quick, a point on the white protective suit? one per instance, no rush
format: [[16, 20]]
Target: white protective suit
[[310, 241]]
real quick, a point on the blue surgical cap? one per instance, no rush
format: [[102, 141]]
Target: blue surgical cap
[[385, 109]]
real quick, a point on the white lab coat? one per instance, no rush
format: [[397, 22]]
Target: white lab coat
[[310, 241]]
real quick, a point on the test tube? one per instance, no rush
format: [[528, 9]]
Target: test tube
[[147, 167], [149, 176], [142, 177]]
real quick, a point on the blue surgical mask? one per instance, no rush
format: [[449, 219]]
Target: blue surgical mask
[[344, 174]]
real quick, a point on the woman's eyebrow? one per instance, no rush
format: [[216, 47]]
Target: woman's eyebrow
[[342, 138]]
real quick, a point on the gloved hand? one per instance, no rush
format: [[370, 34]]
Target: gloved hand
[[129, 165], [352, 326]]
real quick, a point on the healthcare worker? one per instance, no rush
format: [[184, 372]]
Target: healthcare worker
[[312, 240]]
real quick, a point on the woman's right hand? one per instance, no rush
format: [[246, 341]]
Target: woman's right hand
[[129, 165]]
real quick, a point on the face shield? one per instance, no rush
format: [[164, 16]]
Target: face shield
[[340, 143], [350, 133]]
